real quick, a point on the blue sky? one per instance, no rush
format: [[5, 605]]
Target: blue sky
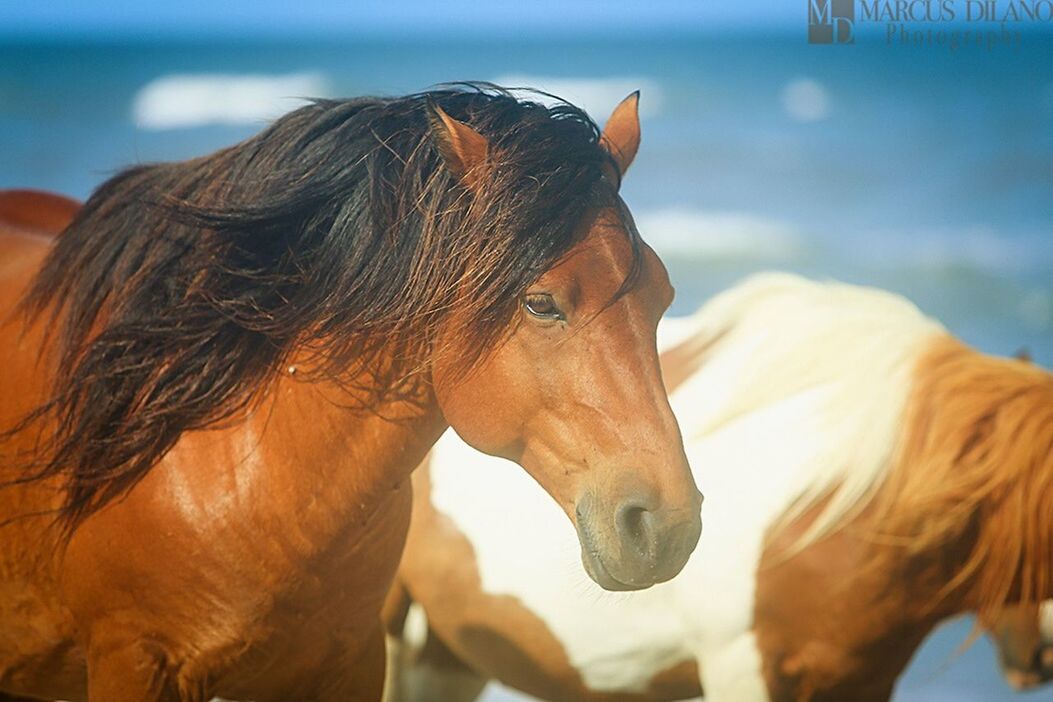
[[129, 17]]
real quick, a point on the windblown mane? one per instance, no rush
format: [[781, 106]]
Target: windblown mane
[[338, 232], [841, 355], [921, 437], [899, 431], [977, 454]]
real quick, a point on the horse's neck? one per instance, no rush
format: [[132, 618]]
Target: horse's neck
[[318, 425], [305, 457]]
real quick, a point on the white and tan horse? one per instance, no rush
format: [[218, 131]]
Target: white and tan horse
[[868, 476]]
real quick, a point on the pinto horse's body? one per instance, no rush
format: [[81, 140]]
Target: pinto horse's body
[[224, 371], [867, 476]]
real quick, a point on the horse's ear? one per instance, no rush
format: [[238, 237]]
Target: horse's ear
[[1024, 354], [621, 134], [463, 149]]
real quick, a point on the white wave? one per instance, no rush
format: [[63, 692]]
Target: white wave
[[806, 100], [978, 247], [597, 96], [718, 235], [179, 101]]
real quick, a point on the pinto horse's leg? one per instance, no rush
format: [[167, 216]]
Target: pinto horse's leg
[[394, 670], [428, 671], [425, 681]]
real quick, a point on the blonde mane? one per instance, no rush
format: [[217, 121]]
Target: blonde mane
[[841, 355], [894, 427], [977, 454]]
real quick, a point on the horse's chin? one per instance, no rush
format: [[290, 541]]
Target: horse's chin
[[596, 570]]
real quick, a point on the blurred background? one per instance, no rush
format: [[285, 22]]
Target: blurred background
[[924, 170]]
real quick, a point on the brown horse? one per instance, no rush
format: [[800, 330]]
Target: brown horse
[[223, 371]]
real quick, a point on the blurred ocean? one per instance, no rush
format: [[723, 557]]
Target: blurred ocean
[[921, 170]]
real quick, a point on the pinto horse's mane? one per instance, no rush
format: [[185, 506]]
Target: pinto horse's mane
[[840, 354], [977, 455], [905, 435], [180, 289]]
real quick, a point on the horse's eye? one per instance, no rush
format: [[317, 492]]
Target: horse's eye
[[542, 306]]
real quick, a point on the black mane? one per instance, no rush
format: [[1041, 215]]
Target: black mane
[[181, 288]]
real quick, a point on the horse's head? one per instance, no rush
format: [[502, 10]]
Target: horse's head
[[573, 391], [1023, 636]]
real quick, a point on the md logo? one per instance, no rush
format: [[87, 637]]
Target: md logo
[[831, 21]]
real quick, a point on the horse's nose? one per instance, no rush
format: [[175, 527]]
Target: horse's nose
[[639, 540], [655, 541]]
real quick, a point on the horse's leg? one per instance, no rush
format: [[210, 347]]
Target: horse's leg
[[134, 672], [434, 673], [396, 610], [424, 682], [396, 653], [420, 666], [345, 676], [367, 673], [436, 676]]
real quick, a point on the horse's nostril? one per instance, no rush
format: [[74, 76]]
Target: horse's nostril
[[636, 527], [630, 521]]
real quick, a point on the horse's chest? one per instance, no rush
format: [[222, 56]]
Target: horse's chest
[[251, 600], [326, 606]]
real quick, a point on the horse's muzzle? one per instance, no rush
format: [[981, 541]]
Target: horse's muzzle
[[635, 545]]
